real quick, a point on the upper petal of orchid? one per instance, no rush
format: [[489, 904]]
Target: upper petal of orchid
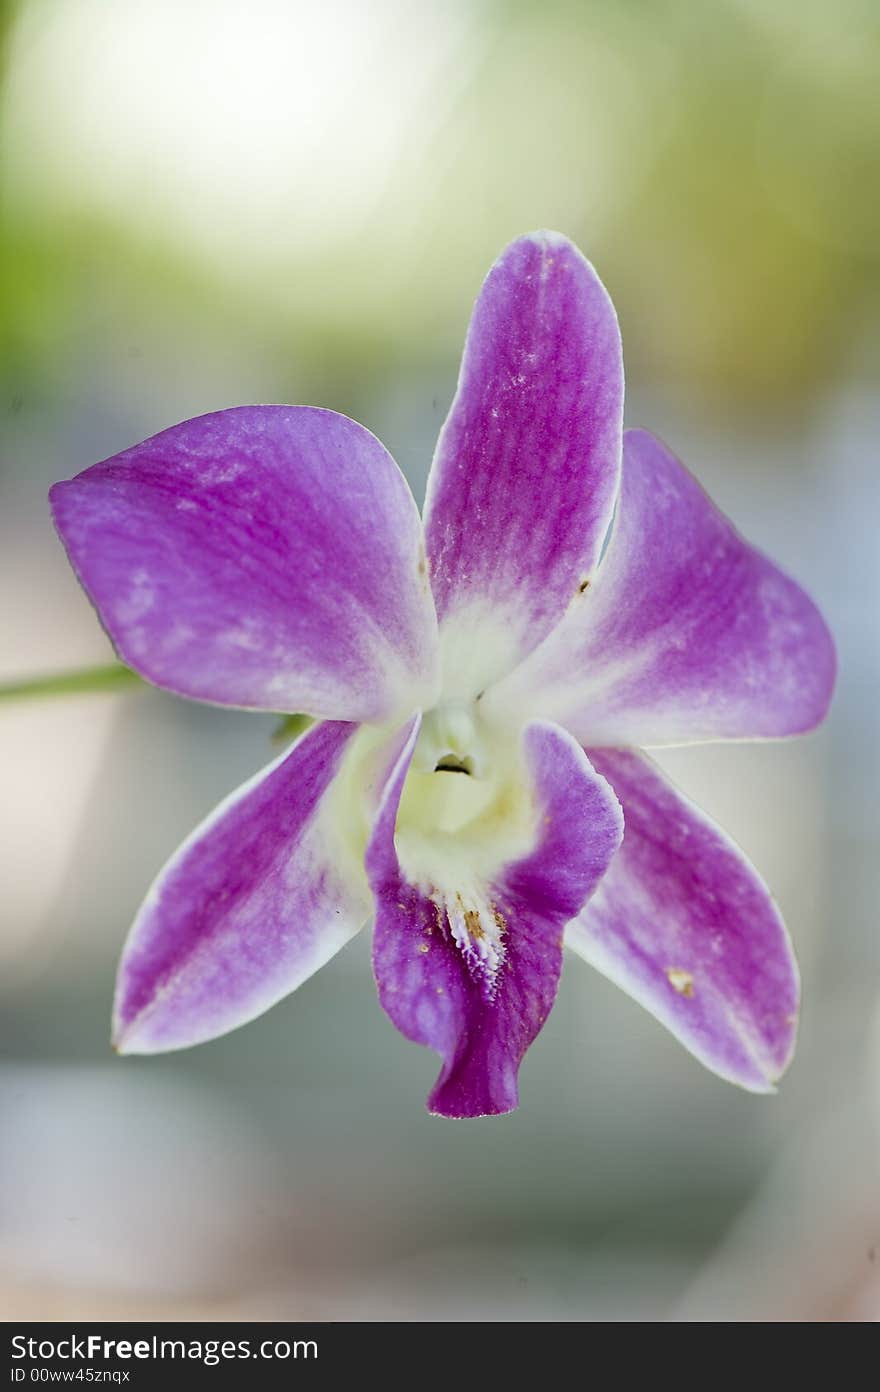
[[527, 465], [267, 556], [687, 634], [684, 924], [261, 895], [471, 968]]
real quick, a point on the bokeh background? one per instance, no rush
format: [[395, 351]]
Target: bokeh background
[[206, 204]]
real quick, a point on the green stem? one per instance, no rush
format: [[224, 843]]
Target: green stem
[[114, 676], [290, 727]]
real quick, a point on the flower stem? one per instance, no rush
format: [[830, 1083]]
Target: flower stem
[[290, 728], [114, 676]]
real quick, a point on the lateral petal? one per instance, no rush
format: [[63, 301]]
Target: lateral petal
[[267, 556], [687, 634]]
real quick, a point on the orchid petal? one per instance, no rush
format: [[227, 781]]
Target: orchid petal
[[524, 478], [684, 924], [263, 893], [268, 557], [437, 988], [687, 634]]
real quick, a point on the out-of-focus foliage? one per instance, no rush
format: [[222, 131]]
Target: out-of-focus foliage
[[720, 163]]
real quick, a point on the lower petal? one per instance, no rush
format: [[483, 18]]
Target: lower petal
[[684, 924], [473, 974], [263, 893]]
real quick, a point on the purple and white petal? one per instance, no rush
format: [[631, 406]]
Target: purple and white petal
[[685, 925], [268, 557], [473, 975], [262, 894], [687, 634], [526, 470]]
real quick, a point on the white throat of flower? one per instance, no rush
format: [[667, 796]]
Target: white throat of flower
[[465, 814]]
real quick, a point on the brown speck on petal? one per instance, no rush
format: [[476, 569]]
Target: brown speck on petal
[[423, 947], [681, 981]]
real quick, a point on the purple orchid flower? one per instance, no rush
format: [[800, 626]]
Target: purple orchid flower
[[482, 685]]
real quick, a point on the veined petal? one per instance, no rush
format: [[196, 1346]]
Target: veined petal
[[684, 924], [268, 556], [687, 634], [474, 975], [527, 466], [262, 894]]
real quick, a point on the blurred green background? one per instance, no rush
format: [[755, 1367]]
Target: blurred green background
[[205, 204]]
